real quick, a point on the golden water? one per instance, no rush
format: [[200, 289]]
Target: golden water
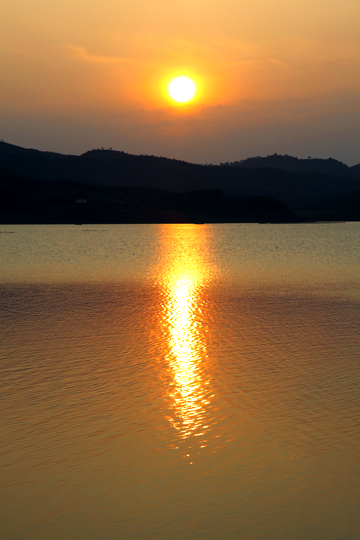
[[180, 381]]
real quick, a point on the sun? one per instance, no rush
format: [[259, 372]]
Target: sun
[[182, 89]]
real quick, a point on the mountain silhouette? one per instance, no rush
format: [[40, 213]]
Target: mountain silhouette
[[25, 200], [341, 208], [109, 168], [287, 163]]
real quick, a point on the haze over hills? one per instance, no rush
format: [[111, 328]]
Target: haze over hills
[[307, 182]]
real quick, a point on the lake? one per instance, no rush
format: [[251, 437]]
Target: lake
[[180, 382]]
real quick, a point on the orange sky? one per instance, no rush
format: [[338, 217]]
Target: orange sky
[[274, 76]]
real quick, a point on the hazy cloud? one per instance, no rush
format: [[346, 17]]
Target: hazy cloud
[[81, 54]]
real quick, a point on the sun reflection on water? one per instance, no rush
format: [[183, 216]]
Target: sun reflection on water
[[185, 274]]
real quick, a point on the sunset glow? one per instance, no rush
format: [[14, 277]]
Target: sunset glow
[[269, 77]]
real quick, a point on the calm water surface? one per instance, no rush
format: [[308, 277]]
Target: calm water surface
[[180, 382]]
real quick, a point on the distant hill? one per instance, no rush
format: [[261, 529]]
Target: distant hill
[[330, 166], [341, 208], [24, 200], [108, 168]]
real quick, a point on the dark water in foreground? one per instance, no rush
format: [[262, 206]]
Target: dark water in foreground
[[180, 382]]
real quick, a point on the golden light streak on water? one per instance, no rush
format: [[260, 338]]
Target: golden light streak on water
[[184, 277]]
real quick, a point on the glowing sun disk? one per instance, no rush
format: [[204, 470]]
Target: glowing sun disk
[[182, 89]]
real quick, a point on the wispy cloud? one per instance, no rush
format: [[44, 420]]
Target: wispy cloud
[[81, 54], [277, 62]]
